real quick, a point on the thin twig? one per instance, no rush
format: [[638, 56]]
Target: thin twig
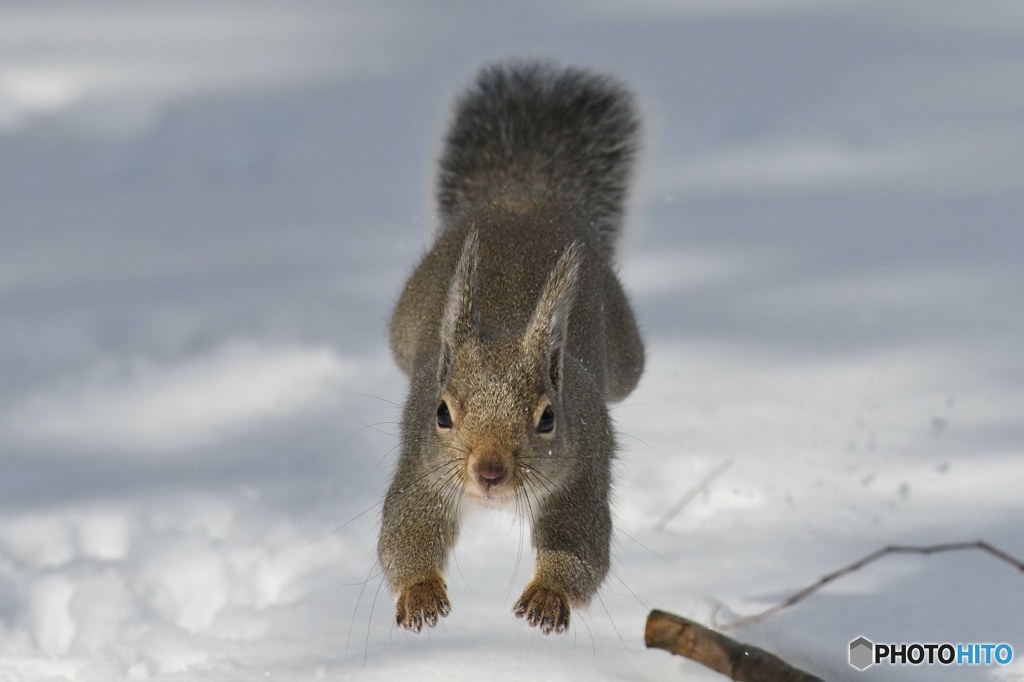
[[874, 556], [690, 494]]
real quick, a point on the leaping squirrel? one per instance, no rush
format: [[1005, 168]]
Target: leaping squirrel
[[515, 333]]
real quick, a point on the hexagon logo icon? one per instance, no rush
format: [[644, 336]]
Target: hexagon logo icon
[[862, 653]]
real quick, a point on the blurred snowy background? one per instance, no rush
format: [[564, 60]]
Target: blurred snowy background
[[207, 209]]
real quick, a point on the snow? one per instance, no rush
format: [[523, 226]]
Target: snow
[[209, 208]]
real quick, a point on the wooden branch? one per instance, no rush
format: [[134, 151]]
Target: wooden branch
[[746, 663], [861, 563], [741, 662]]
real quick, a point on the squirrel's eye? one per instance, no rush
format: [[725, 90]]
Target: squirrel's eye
[[546, 424], [444, 417]]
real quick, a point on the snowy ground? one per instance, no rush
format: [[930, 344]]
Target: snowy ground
[[206, 210]]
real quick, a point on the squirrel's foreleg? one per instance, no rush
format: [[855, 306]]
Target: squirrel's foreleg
[[572, 557], [417, 534]]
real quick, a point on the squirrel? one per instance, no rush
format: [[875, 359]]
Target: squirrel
[[515, 333]]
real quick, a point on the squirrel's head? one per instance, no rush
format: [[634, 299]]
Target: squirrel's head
[[501, 401]]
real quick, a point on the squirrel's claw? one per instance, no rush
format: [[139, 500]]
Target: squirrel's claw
[[422, 603], [544, 608]]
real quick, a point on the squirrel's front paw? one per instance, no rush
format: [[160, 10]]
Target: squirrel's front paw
[[422, 603], [544, 608]]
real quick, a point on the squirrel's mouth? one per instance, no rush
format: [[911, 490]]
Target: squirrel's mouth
[[493, 498], [491, 493]]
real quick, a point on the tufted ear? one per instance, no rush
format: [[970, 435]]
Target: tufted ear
[[546, 334], [458, 318]]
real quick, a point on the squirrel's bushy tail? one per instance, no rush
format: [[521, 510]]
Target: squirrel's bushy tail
[[536, 130]]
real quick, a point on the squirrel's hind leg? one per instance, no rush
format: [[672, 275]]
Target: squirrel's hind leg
[[625, 352]]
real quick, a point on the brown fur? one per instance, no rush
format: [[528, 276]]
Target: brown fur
[[514, 308]]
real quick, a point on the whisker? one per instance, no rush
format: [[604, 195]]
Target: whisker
[[639, 440], [439, 488], [629, 589], [381, 459], [458, 569], [448, 463], [375, 397], [352, 623], [642, 545], [519, 553], [548, 484], [344, 525], [550, 458], [530, 485], [612, 621], [369, 621], [593, 642], [372, 427], [361, 582]]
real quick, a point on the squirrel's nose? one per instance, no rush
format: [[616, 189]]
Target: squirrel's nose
[[491, 471]]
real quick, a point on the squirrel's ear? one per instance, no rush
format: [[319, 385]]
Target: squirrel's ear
[[546, 334], [457, 319]]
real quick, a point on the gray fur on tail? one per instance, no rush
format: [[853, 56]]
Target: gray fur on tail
[[536, 130]]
